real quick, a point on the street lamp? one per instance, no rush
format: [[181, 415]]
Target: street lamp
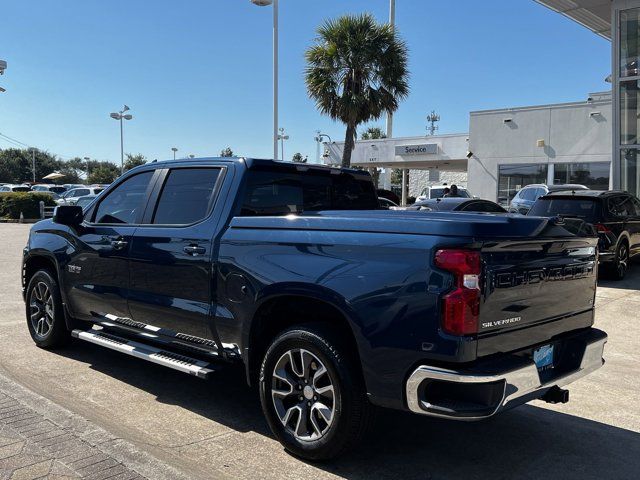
[[174, 150], [86, 159], [282, 137], [264, 3], [3, 67], [120, 116]]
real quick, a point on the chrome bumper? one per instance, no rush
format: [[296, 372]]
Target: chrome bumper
[[520, 382]]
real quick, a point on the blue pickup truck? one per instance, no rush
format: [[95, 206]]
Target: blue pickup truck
[[334, 306]]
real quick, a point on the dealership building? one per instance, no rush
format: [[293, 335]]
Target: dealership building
[[593, 141]]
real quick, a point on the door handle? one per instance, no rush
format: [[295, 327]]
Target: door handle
[[118, 243], [194, 250]]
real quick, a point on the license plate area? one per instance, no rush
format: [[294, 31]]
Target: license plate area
[[543, 357]]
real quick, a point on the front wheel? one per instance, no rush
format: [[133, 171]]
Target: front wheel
[[312, 393], [45, 318]]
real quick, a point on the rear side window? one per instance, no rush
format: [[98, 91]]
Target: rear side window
[[283, 193], [187, 196], [81, 192], [125, 202], [622, 206], [584, 208]]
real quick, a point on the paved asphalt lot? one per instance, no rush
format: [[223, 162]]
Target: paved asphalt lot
[[215, 429]]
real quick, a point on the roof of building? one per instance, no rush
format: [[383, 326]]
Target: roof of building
[[593, 14]]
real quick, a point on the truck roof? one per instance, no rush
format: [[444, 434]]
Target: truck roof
[[252, 163]]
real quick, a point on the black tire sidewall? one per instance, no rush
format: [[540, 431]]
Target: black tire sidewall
[[346, 389], [59, 334]]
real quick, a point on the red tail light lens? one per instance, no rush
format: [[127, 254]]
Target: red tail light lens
[[461, 307], [601, 228]]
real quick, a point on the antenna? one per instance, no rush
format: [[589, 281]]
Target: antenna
[[432, 119]]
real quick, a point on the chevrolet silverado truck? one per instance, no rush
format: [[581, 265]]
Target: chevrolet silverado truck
[[334, 306]]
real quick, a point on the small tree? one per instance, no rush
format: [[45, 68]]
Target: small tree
[[105, 172], [133, 161], [373, 133], [227, 152], [297, 157]]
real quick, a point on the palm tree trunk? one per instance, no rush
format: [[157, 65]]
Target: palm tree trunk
[[348, 146]]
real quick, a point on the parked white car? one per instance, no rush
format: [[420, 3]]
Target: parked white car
[[70, 197], [15, 188], [59, 189]]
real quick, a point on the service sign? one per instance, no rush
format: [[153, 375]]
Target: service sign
[[424, 149]]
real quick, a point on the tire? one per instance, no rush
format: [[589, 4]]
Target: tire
[[44, 311], [621, 263], [336, 411]]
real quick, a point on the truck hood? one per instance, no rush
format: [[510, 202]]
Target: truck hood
[[446, 224]]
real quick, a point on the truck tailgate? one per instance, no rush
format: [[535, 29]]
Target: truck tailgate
[[534, 289]]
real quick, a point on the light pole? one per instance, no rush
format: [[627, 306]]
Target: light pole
[[120, 116], [264, 3], [174, 150], [33, 163], [282, 137]]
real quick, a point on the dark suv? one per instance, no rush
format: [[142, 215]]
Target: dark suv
[[527, 196], [614, 214]]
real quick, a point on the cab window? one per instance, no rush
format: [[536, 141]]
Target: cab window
[[125, 202]]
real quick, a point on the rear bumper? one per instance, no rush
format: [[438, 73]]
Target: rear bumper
[[502, 383]]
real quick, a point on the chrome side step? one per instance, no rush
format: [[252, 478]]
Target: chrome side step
[[182, 363]]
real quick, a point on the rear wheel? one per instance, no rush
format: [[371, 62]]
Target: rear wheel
[[312, 393], [45, 318], [621, 264]]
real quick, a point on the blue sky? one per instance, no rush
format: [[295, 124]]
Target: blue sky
[[197, 74]]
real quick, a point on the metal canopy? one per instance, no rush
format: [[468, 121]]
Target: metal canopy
[[593, 14]]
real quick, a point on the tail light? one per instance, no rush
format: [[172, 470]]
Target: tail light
[[461, 307], [600, 228]]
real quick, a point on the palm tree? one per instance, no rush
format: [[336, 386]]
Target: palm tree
[[356, 71]]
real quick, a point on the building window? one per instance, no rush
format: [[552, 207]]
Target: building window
[[629, 93], [630, 175], [512, 178], [593, 175]]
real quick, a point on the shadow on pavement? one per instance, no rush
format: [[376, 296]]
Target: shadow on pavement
[[528, 442]]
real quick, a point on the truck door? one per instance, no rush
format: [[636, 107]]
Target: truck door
[[172, 251], [97, 275]]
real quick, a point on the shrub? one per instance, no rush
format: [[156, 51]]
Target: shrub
[[12, 203]]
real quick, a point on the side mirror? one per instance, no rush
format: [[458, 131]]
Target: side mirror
[[69, 215]]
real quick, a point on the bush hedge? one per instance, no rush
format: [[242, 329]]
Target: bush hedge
[[12, 203]]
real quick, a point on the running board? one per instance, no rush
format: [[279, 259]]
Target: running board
[[182, 363]]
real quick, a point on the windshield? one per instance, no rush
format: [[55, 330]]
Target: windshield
[[584, 208], [439, 192]]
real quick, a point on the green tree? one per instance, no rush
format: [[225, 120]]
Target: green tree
[[373, 133], [356, 71], [104, 172], [227, 152], [16, 165], [298, 158], [133, 161]]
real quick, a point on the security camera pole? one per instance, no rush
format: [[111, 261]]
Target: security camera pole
[[3, 67], [120, 116]]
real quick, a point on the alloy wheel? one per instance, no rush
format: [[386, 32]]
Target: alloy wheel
[[41, 309], [303, 394], [623, 260]]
